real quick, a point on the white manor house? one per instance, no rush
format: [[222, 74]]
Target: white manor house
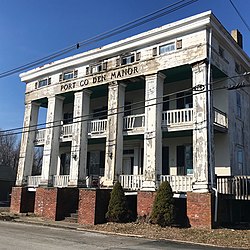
[[166, 104]]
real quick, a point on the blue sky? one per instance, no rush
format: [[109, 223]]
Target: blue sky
[[32, 29]]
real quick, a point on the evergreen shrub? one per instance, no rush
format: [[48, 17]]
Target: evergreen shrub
[[163, 207], [117, 209]]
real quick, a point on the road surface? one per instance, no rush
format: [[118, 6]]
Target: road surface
[[18, 236]]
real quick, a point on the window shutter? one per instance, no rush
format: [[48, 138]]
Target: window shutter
[[49, 80], [75, 73], [60, 77], [118, 62], [179, 44], [155, 51], [87, 70], [104, 65], [138, 56]]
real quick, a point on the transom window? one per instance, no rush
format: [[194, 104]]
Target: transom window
[[43, 82], [167, 48]]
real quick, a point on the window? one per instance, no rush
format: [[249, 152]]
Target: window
[[128, 59], [221, 52], [237, 68], [238, 104], [239, 158], [43, 82], [167, 48], [93, 69], [68, 75]]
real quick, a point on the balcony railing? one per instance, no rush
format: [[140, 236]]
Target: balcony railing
[[40, 136], [131, 182], [133, 121], [60, 180], [97, 126], [179, 183], [66, 131], [177, 117], [236, 186], [34, 181]]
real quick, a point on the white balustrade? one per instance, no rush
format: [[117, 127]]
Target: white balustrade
[[178, 183], [97, 126], [60, 180], [67, 130], [34, 181], [40, 135], [133, 121], [177, 117], [237, 186], [131, 182]]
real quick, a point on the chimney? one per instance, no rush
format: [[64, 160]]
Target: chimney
[[237, 36]]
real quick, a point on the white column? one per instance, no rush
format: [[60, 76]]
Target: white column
[[52, 139], [201, 129], [78, 162], [27, 143], [114, 139], [153, 131]]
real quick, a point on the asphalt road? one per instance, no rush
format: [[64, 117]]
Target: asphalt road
[[27, 236]]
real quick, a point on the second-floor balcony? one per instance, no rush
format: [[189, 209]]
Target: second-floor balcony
[[172, 120]]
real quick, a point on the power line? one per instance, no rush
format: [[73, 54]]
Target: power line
[[199, 90], [241, 17], [130, 25]]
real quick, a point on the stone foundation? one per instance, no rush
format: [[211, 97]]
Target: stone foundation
[[200, 210], [93, 205], [22, 201]]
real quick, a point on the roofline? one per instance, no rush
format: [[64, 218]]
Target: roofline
[[124, 44]]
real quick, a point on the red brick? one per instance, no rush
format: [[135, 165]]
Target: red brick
[[145, 200], [93, 205], [200, 210]]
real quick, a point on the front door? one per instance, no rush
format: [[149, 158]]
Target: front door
[[127, 165], [184, 159]]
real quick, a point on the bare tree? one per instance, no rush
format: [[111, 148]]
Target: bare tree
[[9, 150], [37, 161]]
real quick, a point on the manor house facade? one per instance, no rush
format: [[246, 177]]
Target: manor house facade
[[161, 105]]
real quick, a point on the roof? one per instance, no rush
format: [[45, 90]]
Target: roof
[[6, 173]]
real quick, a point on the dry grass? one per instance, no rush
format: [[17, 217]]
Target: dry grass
[[218, 237]]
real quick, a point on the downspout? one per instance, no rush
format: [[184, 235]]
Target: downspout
[[210, 109]]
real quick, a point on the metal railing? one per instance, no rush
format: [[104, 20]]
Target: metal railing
[[177, 117], [34, 181], [131, 182], [179, 183], [237, 186], [60, 180], [97, 126], [131, 122]]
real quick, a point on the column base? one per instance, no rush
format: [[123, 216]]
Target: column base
[[201, 187], [106, 183], [149, 186]]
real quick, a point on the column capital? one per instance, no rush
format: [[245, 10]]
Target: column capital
[[56, 97], [198, 66], [116, 83], [84, 91], [158, 74]]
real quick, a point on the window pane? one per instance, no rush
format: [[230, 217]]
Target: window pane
[[167, 48], [68, 75], [42, 83]]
